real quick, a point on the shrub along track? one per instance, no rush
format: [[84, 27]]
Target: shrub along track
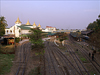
[[85, 53], [57, 63]]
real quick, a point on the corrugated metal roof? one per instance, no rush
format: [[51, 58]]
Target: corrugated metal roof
[[49, 33], [86, 32]]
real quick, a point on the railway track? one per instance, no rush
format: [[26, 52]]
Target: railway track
[[52, 65], [61, 64], [69, 68], [58, 60], [86, 51], [78, 62], [23, 58], [94, 63]]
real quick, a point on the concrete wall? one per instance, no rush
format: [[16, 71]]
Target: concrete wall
[[25, 31]]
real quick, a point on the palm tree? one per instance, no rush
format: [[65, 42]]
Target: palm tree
[[3, 25]]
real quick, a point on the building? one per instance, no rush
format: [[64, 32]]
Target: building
[[19, 28], [49, 29]]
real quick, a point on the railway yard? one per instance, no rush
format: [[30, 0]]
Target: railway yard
[[70, 59]]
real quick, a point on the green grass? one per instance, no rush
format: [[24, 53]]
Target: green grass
[[34, 71], [5, 63], [92, 73], [83, 59]]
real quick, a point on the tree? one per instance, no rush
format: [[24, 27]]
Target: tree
[[97, 28], [95, 25], [57, 29], [62, 36], [92, 26], [36, 38], [94, 37], [3, 25]]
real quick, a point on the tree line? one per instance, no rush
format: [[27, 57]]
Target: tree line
[[3, 25], [94, 37], [95, 25]]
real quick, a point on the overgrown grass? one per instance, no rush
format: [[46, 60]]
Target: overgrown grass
[[83, 59], [5, 63], [34, 72], [7, 48]]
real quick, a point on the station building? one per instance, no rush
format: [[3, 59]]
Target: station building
[[19, 28]]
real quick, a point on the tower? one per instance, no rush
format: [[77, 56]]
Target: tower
[[18, 22], [28, 23], [39, 25], [34, 25]]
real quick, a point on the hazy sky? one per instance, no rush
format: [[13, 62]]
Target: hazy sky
[[62, 14]]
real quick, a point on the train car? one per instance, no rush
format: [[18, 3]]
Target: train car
[[86, 37]]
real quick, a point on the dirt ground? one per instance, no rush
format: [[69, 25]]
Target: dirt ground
[[32, 63]]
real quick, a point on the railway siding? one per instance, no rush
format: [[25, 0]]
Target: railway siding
[[93, 66]]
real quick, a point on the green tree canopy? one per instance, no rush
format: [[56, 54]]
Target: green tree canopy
[[97, 28], [62, 36], [94, 37], [95, 25], [92, 26], [3, 25], [36, 37]]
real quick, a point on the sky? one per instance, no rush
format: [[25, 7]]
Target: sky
[[62, 14]]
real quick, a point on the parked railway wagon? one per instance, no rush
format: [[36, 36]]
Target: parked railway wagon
[[76, 35], [86, 37]]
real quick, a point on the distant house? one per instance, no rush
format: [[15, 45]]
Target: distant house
[[49, 29]]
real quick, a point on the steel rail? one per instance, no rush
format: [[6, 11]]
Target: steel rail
[[59, 51], [52, 60], [84, 54], [78, 60], [23, 62]]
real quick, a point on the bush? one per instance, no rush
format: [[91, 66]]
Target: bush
[[36, 38], [61, 40], [17, 39]]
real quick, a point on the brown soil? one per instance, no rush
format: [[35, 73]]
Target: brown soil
[[32, 63]]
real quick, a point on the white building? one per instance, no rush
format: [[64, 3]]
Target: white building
[[20, 28], [49, 29]]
